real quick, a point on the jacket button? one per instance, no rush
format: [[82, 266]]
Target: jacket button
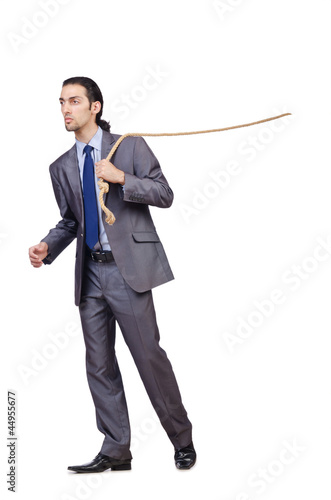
[[82, 235]]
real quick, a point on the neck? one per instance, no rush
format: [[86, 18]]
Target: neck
[[86, 133]]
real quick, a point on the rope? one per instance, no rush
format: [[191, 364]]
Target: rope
[[104, 186]]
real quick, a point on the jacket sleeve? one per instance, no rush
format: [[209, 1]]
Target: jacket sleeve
[[65, 231], [147, 184]]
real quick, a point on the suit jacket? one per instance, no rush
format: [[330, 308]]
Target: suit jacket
[[137, 249]]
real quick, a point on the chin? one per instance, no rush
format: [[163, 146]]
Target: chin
[[71, 128]]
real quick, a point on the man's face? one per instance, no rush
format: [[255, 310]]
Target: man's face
[[76, 108]]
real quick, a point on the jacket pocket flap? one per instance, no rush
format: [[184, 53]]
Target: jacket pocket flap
[[145, 236]]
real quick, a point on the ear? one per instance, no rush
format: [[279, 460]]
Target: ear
[[95, 107]]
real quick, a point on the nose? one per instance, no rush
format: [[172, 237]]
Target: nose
[[66, 108]]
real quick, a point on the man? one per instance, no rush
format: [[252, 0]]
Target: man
[[116, 268]]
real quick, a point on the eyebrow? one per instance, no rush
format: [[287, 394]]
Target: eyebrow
[[73, 97]]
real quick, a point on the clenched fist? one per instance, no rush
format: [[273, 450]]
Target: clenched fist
[[37, 253], [108, 172]]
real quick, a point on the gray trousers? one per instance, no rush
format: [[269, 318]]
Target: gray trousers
[[107, 299]]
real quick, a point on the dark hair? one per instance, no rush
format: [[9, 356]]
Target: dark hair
[[93, 94]]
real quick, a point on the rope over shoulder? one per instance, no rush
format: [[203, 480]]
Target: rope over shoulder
[[104, 186]]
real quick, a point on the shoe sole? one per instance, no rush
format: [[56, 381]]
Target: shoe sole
[[114, 467]]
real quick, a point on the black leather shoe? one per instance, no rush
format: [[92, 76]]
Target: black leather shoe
[[186, 457], [101, 463]]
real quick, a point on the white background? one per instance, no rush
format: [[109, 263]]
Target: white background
[[218, 64]]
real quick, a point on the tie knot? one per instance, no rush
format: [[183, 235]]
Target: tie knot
[[88, 149]]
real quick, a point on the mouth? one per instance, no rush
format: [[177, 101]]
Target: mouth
[[68, 119]]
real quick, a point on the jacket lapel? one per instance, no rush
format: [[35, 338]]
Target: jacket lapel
[[71, 167], [108, 140]]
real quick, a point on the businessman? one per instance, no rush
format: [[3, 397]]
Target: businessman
[[116, 268]]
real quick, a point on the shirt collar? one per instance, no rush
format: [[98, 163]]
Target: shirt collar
[[95, 142]]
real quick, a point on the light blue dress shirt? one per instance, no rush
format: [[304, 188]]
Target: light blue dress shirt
[[96, 143]]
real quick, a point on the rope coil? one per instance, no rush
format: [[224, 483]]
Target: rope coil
[[104, 186]]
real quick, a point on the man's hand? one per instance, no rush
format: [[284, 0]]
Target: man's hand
[[37, 253], [109, 172]]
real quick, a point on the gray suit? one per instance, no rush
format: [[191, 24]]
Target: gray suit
[[137, 250], [120, 291]]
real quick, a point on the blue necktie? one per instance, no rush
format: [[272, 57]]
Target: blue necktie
[[90, 204]]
